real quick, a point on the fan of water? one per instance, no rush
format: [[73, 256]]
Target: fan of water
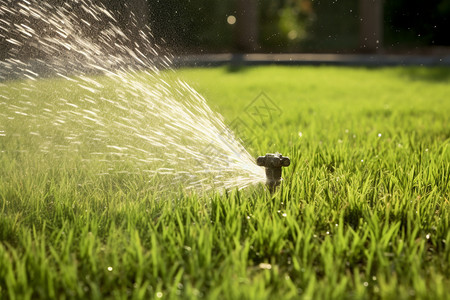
[[112, 102]]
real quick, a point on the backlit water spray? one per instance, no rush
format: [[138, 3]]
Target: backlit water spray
[[110, 104]]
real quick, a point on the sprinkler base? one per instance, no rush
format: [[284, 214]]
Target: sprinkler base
[[273, 164]]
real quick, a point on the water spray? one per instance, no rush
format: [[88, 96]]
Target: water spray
[[273, 164], [136, 119]]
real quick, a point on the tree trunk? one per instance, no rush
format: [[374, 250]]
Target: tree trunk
[[371, 25], [246, 34]]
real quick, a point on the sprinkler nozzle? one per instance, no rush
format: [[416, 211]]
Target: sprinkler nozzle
[[273, 164]]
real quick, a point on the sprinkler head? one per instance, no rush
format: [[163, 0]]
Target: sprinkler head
[[273, 164]]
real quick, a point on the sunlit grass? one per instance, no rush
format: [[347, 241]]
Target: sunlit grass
[[363, 211]]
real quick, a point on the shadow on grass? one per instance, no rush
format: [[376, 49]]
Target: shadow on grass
[[235, 68], [436, 74]]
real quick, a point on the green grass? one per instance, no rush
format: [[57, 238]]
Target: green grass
[[359, 215]]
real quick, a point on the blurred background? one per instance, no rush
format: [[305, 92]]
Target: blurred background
[[285, 26], [324, 26]]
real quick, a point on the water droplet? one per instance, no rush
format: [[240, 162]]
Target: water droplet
[[292, 35], [231, 19], [110, 269], [265, 266]]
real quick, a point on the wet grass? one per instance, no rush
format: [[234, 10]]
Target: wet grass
[[363, 211]]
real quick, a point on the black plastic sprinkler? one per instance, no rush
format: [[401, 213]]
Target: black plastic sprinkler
[[273, 164]]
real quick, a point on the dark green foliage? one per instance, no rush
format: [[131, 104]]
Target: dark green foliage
[[192, 25], [417, 23]]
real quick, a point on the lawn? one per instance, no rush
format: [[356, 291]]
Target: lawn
[[363, 211]]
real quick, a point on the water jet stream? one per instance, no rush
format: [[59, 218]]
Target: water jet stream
[[112, 102]]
